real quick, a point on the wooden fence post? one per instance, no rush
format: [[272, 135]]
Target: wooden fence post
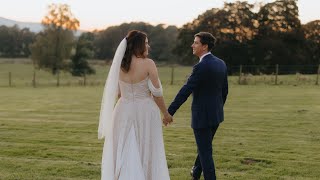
[[9, 79], [34, 79], [240, 74], [317, 81], [172, 75], [277, 72], [58, 78]]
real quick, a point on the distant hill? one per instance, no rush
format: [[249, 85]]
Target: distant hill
[[34, 27]]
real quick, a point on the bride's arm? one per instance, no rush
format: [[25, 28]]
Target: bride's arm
[[159, 100]]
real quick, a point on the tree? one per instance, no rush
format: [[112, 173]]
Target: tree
[[312, 35], [84, 50], [27, 38], [162, 40], [279, 16], [53, 46], [107, 41], [184, 41], [239, 23], [8, 41], [280, 37], [12, 45], [312, 31], [233, 25], [14, 42]]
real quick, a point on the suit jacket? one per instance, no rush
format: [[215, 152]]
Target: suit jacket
[[209, 84]]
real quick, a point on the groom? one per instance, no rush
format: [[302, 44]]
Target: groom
[[209, 85]]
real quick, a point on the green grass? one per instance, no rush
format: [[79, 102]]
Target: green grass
[[269, 132]]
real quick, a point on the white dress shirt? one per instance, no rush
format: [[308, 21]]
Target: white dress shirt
[[204, 56]]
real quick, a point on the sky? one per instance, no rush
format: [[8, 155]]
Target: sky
[[99, 14]]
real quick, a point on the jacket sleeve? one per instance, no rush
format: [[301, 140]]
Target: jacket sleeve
[[186, 90], [225, 88]]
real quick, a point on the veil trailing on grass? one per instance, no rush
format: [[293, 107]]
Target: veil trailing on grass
[[110, 93]]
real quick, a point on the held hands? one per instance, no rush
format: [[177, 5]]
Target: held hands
[[167, 119]]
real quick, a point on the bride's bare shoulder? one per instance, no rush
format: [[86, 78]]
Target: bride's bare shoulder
[[150, 65], [149, 62]]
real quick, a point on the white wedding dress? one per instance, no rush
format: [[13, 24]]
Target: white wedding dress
[[135, 150]]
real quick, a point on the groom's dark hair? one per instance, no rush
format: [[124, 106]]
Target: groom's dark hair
[[207, 38]]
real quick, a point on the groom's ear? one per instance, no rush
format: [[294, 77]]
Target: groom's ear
[[205, 47]]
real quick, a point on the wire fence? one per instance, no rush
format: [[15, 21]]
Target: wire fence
[[17, 75], [276, 74]]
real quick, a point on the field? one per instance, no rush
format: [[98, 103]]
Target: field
[[269, 132]]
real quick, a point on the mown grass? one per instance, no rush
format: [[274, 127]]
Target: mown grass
[[269, 132]]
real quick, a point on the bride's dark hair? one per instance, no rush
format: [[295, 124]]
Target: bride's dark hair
[[136, 45]]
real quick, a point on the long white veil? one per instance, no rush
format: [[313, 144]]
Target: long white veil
[[110, 93]]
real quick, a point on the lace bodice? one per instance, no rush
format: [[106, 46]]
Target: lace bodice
[[140, 90]]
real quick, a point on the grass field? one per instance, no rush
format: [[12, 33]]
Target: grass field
[[269, 132]]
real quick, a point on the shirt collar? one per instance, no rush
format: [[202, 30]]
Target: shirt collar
[[204, 56]]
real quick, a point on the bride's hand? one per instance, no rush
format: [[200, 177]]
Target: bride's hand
[[167, 119]]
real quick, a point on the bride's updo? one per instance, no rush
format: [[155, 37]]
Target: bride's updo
[[135, 46]]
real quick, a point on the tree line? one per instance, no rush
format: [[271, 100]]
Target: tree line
[[250, 34], [272, 35]]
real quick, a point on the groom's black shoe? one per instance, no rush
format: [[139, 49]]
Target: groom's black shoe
[[192, 174], [193, 178]]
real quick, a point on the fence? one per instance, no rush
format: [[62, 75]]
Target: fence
[[270, 74], [16, 75]]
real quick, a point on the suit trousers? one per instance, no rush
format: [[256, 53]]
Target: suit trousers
[[204, 161]]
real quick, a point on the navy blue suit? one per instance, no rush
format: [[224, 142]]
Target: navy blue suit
[[209, 85]]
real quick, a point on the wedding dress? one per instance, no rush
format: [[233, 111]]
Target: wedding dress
[[135, 148]]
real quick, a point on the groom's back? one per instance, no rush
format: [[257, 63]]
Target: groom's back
[[213, 77], [208, 96]]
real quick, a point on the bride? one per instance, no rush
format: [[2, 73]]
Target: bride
[[133, 147]]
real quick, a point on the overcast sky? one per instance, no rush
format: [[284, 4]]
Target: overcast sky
[[99, 14]]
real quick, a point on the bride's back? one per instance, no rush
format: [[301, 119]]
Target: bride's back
[[134, 83], [135, 66], [138, 71]]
